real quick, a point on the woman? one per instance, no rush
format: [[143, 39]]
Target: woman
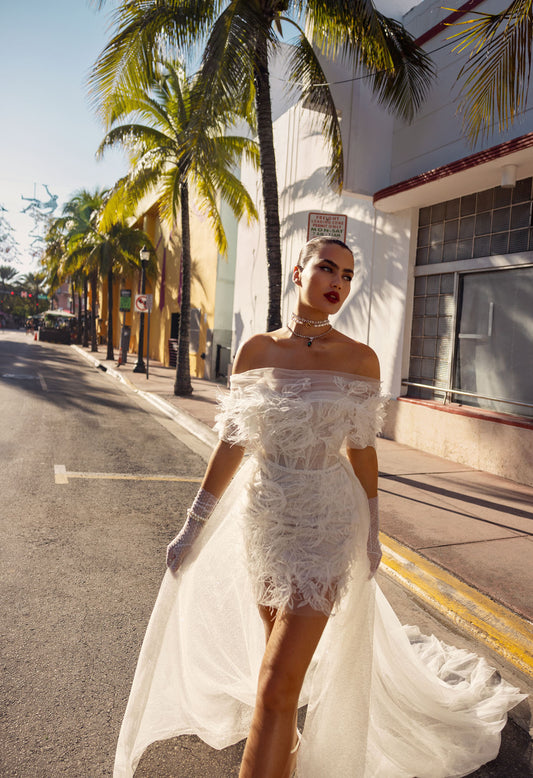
[[296, 536]]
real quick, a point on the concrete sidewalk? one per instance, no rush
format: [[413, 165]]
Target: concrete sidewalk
[[459, 539]]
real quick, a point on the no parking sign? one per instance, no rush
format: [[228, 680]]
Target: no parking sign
[[143, 303]]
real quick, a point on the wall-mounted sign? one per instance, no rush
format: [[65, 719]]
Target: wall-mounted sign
[[333, 224]]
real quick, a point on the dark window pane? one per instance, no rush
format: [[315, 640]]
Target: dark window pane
[[429, 347], [424, 216], [464, 249], [420, 285], [522, 190], [428, 368], [449, 253], [433, 285], [484, 200], [530, 247], [483, 221], [466, 227], [430, 326], [451, 230], [415, 368], [418, 327], [446, 283], [432, 305], [499, 243], [437, 213], [518, 241], [422, 256], [435, 253], [423, 236], [452, 209], [482, 246], [416, 347], [468, 205], [419, 306], [520, 216], [502, 197], [501, 219], [436, 233]]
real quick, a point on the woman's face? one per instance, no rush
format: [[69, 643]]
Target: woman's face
[[324, 282]]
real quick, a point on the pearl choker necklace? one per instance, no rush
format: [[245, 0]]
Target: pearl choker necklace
[[300, 320]]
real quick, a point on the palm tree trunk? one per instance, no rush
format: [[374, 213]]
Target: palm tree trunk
[[110, 353], [270, 184], [182, 384], [94, 290], [85, 341], [80, 320]]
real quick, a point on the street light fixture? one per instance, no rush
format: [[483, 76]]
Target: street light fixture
[[140, 367]]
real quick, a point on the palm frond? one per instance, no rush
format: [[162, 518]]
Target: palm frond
[[495, 79], [306, 73]]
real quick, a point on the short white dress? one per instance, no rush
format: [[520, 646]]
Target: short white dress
[[291, 531]]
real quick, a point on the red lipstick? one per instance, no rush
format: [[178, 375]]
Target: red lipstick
[[333, 297]]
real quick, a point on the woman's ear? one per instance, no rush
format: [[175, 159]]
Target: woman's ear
[[296, 273]]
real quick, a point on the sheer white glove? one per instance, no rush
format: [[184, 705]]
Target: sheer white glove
[[197, 515], [373, 546]]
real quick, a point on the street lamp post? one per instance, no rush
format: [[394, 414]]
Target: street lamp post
[[140, 367]]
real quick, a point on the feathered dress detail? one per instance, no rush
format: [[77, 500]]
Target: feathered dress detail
[[291, 530]]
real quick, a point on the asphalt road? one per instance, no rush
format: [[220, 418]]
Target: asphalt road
[[83, 528]]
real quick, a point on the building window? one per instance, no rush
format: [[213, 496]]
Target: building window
[[472, 329], [496, 221], [494, 350]]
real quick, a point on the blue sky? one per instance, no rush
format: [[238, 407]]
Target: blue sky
[[48, 131]]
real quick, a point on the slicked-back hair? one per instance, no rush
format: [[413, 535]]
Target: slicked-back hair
[[313, 246]]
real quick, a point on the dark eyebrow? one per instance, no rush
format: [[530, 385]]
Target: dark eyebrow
[[334, 264]]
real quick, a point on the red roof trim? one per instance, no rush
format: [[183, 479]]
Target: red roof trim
[[458, 166], [450, 19]]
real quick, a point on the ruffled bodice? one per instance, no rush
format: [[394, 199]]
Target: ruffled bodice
[[299, 419]]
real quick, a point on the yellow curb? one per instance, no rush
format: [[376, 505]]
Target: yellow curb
[[510, 635]]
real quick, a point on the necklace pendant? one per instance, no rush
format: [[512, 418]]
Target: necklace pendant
[[310, 342]]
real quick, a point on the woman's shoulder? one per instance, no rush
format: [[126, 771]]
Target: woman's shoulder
[[358, 358], [255, 352]]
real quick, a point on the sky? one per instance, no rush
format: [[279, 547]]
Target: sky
[[49, 132]]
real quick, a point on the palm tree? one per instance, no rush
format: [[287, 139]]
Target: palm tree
[[495, 78], [7, 273], [70, 251], [178, 149], [242, 36]]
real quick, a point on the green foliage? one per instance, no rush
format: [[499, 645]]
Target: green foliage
[[494, 81]]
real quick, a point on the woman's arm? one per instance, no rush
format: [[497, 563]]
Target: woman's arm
[[364, 462], [221, 468]]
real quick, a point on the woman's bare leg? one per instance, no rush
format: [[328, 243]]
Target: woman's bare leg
[[291, 642]]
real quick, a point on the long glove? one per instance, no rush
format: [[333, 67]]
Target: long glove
[[373, 546], [203, 506]]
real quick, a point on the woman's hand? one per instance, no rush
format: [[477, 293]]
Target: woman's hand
[[178, 548]]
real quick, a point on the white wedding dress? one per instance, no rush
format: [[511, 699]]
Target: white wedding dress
[[383, 701]]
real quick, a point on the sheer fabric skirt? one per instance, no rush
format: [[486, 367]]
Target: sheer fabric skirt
[[382, 701]]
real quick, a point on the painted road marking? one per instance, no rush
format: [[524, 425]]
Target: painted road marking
[[505, 632], [62, 476]]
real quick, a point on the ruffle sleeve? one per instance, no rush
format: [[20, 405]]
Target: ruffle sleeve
[[366, 420]]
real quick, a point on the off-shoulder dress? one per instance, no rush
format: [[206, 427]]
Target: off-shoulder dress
[[291, 530]]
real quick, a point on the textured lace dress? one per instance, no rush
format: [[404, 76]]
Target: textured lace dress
[[291, 531]]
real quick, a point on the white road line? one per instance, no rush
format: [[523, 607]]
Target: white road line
[[44, 387], [62, 476]]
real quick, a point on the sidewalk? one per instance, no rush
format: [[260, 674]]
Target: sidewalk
[[460, 539]]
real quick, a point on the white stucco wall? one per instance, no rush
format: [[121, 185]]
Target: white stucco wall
[[375, 310]]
